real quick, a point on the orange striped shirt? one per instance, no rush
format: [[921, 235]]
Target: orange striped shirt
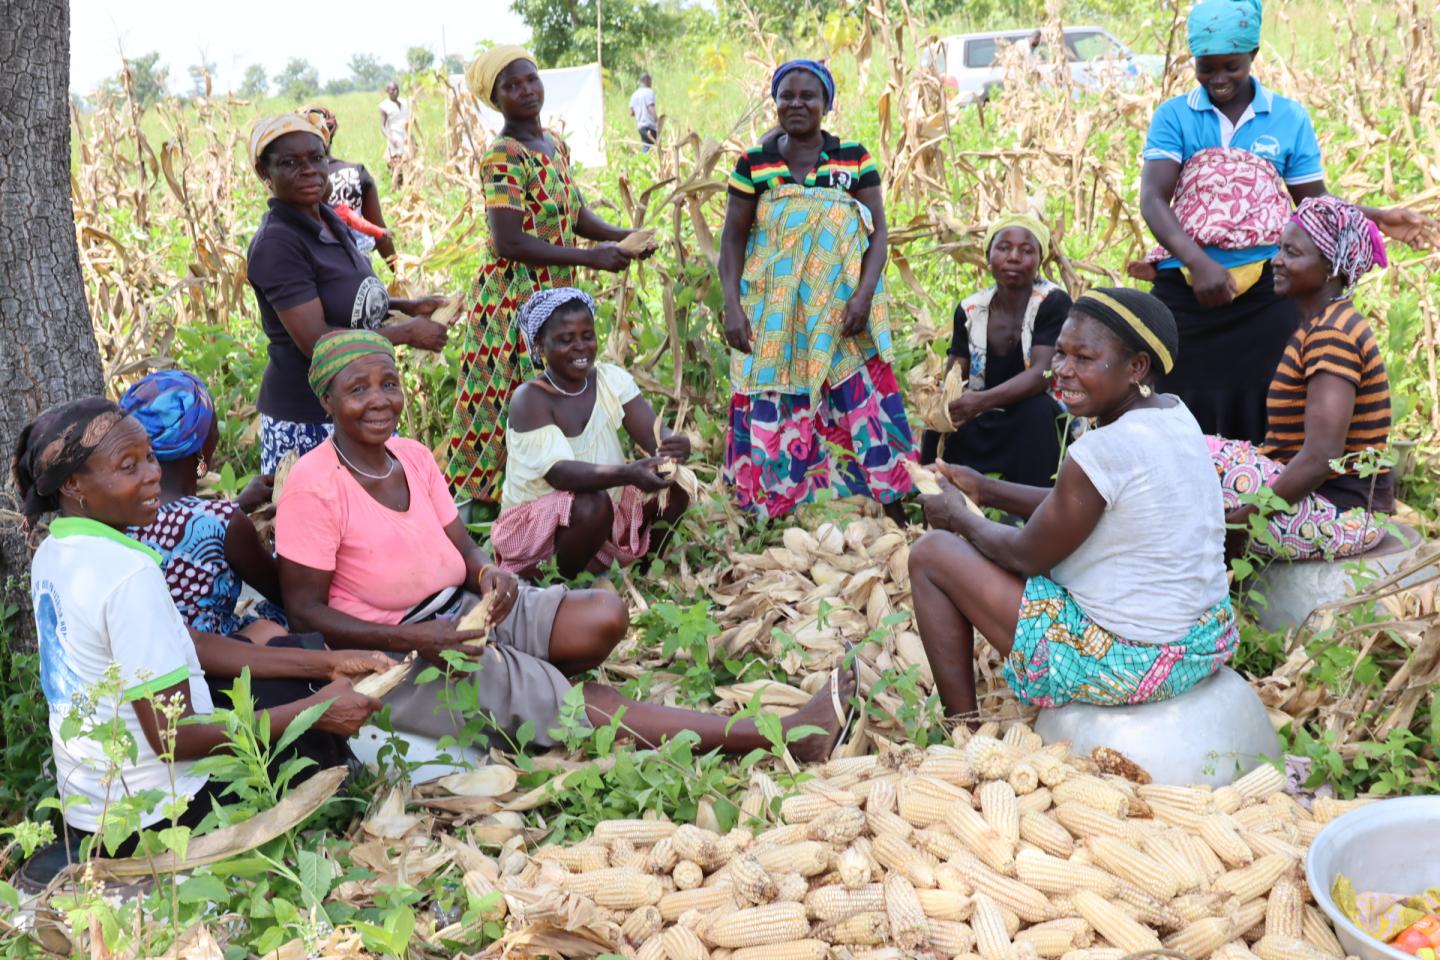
[[1338, 342]]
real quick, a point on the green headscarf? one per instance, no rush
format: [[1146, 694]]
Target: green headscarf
[[335, 351]]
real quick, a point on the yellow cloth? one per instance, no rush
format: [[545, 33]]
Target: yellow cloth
[[320, 117], [485, 69], [269, 129], [1037, 229], [1245, 275]]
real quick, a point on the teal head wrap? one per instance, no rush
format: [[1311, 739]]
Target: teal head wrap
[[1220, 27]]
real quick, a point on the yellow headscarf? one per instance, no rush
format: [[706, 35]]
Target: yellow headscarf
[[269, 129], [1037, 229], [485, 69], [317, 116]]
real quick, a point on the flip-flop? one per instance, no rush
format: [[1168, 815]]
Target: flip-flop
[[844, 712]]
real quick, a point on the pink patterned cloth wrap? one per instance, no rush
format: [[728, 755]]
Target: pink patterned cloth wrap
[[523, 537], [1229, 198], [782, 449], [1312, 528]]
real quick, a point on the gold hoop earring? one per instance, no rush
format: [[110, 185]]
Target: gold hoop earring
[[1145, 390], [201, 467]]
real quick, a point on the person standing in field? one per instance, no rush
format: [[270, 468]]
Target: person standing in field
[[352, 186], [1223, 164], [536, 213], [395, 123], [816, 405], [642, 106]]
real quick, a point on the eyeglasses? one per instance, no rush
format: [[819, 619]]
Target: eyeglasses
[[293, 165]]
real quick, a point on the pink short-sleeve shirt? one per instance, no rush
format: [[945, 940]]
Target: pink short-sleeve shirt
[[384, 561]]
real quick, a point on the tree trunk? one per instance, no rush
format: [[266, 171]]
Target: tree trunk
[[47, 345]]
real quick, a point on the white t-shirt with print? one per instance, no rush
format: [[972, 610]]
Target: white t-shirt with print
[[100, 598], [642, 106]]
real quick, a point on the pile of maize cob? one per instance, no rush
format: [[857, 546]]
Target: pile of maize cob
[[994, 846]]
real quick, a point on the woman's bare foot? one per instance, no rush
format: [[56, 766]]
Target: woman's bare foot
[[820, 712]]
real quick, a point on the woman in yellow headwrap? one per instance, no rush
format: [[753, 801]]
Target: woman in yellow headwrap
[[535, 212]]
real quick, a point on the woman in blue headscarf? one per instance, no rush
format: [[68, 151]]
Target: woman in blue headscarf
[[209, 547], [816, 405], [1233, 135]]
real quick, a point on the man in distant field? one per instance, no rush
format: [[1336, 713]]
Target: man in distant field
[[642, 105], [394, 118]]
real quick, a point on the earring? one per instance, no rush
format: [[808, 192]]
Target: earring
[[1145, 390], [201, 467]]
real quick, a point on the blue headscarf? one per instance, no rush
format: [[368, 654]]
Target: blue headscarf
[[813, 66], [1220, 27], [175, 409]]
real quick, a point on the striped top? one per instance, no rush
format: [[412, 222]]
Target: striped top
[[843, 164], [1338, 342]]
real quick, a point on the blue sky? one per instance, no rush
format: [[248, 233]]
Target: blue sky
[[236, 33]]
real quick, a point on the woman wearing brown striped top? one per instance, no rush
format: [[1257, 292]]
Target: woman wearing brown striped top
[[1329, 402]]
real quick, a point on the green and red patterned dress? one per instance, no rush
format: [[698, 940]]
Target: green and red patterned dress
[[493, 361]]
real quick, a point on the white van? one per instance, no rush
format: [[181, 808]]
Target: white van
[[968, 61]]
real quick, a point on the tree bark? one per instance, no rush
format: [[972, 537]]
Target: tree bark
[[48, 352]]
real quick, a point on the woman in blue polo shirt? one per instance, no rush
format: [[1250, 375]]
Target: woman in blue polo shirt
[[1224, 165], [308, 277]]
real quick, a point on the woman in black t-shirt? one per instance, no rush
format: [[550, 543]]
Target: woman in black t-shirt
[[309, 277], [1006, 422]]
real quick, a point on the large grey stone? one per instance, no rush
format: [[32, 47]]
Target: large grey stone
[[1212, 733], [1291, 590]]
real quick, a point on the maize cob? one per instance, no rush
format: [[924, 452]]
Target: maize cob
[[1326, 809], [836, 902], [1001, 809], [992, 939], [924, 800], [758, 926], [739, 839], [951, 879], [1203, 937], [791, 886], [944, 904], [1227, 799], [1095, 953], [1287, 948], [1036, 801], [881, 796], [687, 875], [990, 728], [838, 825], [807, 858], [951, 938], [990, 758], [701, 898], [1051, 769], [1198, 906], [804, 807], [478, 885], [981, 838], [652, 949], [1198, 799], [641, 925], [1025, 901], [1148, 908], [1284, 913], [1222, 834], [1250, 919], [1054, 938], [622, 853], [1201, 857], [580, 858], [1254, 881], [823, 788], [794, 950], [883, 822], [1258, 817], [681, 943], [1113, 924], [752, 881], [638, 832], [1022, 739], [706, 847], [1288, 807], [1308, 830], [853, 768], [951, 767], [1085, 821], [909, 927], [1052, 875], [619, 888], [853, 867], [1128, 863], [1063, 907], [1023, 778], [1092, 792], [1046, 833], [1316, 932], [893, 853], [1169, 853], [860, 929], [1234, 950], [786, 833], [1260, 782], [940, 844]]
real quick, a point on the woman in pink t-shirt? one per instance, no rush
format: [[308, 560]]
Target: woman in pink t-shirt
[[373, 554]]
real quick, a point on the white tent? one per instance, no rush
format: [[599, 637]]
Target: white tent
[[574, 108]]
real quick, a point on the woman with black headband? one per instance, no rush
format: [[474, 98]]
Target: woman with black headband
[[101, 604], [1114, 591]]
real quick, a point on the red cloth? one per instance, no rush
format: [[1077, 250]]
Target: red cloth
[[524, 537]]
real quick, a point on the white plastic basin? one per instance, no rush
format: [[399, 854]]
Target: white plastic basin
[[1392, 846]]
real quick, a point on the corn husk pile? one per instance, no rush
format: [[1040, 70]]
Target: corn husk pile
[[993, 846]]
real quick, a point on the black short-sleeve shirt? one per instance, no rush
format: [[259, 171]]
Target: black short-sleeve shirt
[[291, 261], [843, 164], [999, 367]]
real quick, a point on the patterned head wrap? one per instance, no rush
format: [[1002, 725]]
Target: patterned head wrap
[[269, 129], [55, 445], [485, 69], [1137, 318], [321, 118], [335, 351], [538, 309], [827, 82], [1220, 27], [1346, 237], [176, 411], [1037, 229]]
